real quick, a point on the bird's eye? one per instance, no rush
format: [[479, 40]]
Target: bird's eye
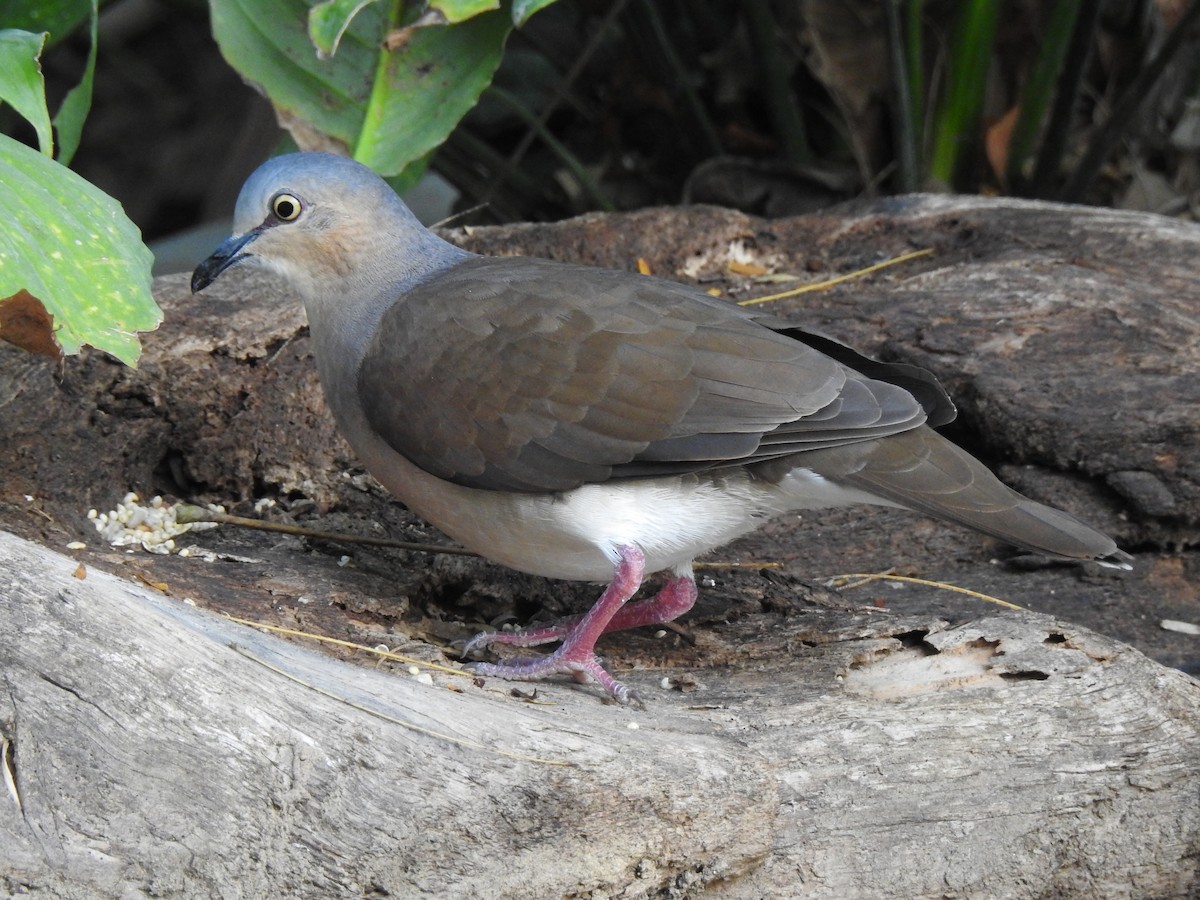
[[285, 206]]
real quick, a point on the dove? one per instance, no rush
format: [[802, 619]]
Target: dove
[[590, 424]]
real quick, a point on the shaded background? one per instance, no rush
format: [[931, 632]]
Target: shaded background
[[775, 108]]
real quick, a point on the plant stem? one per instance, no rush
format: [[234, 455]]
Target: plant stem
[[966, 77], [906, 139], [577, 168], [1036, 97], [781, 99], [1070, 84]]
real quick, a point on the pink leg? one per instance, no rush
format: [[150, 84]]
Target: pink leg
[[577, 656], [677, 596]]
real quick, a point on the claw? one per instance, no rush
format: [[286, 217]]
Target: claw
[[558, 663], [525, 637]]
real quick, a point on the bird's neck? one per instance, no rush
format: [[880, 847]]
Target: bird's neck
[[343, 322]]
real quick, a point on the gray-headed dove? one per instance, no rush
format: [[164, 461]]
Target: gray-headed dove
[[596, 425]]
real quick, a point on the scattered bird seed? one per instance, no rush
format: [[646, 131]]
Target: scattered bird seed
[[152, 525]]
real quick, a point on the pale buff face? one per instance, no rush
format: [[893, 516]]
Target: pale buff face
[[312, 228], [314, 250], [319, 221]]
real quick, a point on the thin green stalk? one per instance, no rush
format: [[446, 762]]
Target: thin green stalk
[[1039, 91], [970, 58], [914, 39], [781, 99], [906, 136]]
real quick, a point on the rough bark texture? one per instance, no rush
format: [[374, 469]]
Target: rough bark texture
[[160, 749], [906, 748]]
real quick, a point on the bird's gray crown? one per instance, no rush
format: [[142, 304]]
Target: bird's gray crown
[[314, 178]]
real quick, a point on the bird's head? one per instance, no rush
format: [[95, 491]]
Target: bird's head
[[320, 221]]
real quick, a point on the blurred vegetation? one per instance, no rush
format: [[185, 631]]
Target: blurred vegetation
[[779, 107], [540, 109]]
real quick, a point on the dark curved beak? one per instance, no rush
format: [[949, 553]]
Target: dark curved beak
[[229, 253]]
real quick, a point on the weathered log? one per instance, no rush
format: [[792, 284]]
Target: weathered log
[[159, 749], [838, 752]]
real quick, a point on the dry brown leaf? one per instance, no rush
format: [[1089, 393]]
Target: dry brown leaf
[[996, 140], [25, 322]]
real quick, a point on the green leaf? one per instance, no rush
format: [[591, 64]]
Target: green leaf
[[454, 11], [386, 107], [70, 245], [328, 21], [1039, 91], [58, 17], [423, 89], [75, 106], [523, 9], [21, 82]]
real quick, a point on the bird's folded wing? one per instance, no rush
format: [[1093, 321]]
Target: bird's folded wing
[[528, 375], [921, 383]]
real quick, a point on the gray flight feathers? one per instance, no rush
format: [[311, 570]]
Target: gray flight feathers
[[520, 374], [939, 408], [922, 471]]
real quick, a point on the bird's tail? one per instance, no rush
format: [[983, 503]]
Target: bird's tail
[[922, 471]]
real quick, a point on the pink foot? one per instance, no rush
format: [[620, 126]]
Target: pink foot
[[580, 666], [576, 657], [677, 596]]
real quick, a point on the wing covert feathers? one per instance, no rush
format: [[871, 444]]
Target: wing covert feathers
[[545, 376]]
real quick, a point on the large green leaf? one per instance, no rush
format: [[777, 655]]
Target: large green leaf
[[21, 82], [70, 246], [387, 96]]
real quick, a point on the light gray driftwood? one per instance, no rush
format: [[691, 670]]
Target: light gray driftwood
[[156, 749]]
